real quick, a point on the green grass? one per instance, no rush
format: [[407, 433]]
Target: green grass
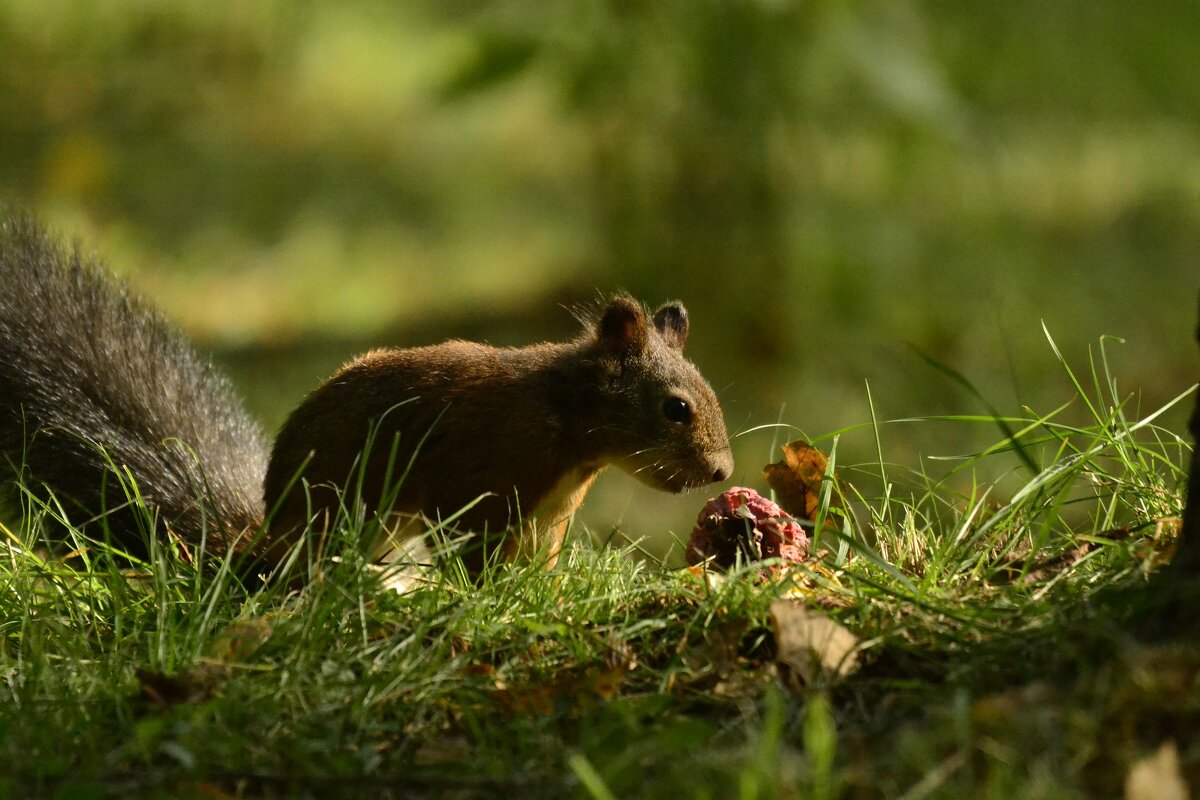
[[1001, 623]]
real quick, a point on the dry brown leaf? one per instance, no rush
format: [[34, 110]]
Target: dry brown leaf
[[211, 790], [745, 684], [235, 643], [796, 480], [1157, 777], [240, 639], [1001, 710], [606, 684], [818, 584], [809, 644], [716, 657], [575, 691], [190, 686], [1160, 548], [441, 749]]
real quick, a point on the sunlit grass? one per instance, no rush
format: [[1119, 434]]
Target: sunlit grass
[[996, 658], [281, 170]]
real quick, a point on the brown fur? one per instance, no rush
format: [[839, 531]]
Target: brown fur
[[93, 382], [519, 432]]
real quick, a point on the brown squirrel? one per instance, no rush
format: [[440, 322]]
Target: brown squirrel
[[507, 439]]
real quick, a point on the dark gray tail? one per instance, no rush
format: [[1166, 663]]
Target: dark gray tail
[[92, 379]]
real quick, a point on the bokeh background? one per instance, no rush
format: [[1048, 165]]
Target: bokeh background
[[833, 189]]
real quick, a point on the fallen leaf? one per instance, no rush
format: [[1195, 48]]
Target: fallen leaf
[[189, 686], [573, 691], [233, 644], [240, 639], [606, 684], [1041, 570], [1159, 548], [999, 711], [211, 790], [745, 684], [715, 657], [810, 645], [442, 749], [1157, 777], [796, 480], [819, 585]]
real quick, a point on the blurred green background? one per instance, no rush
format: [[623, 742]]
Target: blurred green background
[[827, 186]]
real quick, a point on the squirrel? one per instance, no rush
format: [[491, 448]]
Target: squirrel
[[500, 443]]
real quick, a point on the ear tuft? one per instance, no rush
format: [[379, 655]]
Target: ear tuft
[[622, 326], [672, 323]]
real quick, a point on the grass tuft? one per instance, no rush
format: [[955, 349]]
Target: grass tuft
[[999, 603]]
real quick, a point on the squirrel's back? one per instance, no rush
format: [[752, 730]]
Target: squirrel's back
[[92, 380]]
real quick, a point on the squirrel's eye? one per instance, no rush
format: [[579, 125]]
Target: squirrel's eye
[[677, 410]]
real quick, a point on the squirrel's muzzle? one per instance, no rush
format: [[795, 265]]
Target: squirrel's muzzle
[[722, 467]]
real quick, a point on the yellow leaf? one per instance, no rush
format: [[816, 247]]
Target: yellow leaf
[[796, 480], [1157, 777], [809, 644], [240, 639]]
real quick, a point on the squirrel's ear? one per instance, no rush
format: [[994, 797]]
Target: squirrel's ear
[[672, 323], [622, 327]]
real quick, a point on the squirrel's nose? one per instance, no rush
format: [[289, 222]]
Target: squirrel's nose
[[724, 468]]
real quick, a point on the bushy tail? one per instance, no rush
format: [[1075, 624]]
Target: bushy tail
[[91, 380]]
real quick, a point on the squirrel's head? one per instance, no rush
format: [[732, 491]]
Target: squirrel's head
[[663, 422]]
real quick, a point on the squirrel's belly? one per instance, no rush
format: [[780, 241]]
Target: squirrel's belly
[[541, 535], [404, 555], [564, 497]]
